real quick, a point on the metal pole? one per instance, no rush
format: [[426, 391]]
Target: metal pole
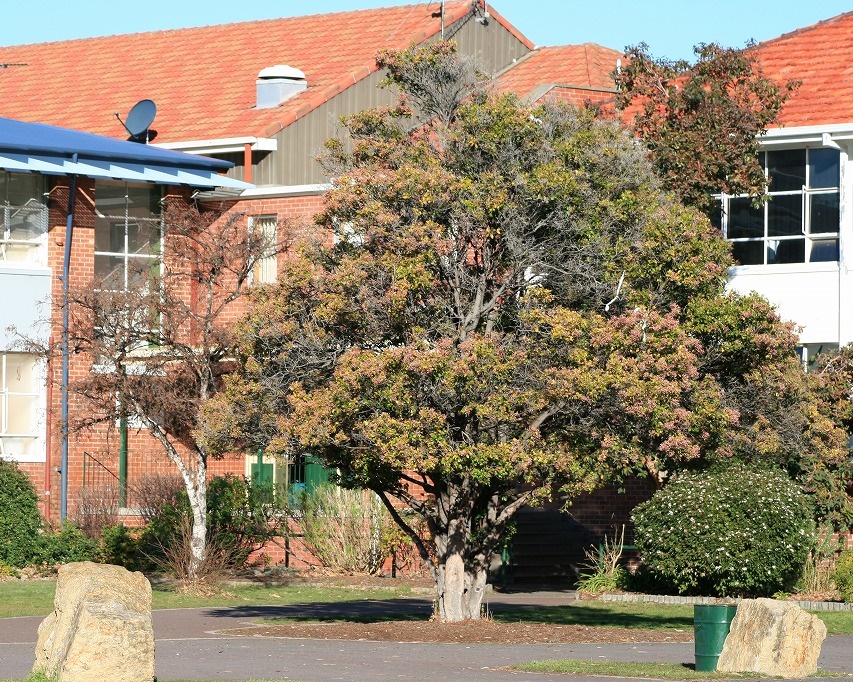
[[122, 461], [66, 268]]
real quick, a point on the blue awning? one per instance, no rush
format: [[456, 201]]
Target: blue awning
[[40, 148]]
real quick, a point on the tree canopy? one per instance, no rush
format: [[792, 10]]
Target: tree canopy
[[512, 305], [702, 122]]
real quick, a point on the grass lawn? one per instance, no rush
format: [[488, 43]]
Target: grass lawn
[[659, 671], [35, 597]]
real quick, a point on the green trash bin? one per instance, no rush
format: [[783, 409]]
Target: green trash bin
[[711, 623]]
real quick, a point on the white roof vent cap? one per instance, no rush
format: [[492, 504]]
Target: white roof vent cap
[[281, 71]]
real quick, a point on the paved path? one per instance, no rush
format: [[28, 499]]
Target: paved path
[[189, 648]]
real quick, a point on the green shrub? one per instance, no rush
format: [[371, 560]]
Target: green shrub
[[117, 545], [20, 520], [238, 520], [734, 529], [66, 545], [843, 575], [240, 516]]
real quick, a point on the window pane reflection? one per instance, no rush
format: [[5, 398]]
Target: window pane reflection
[[785, 215], [745, 220]]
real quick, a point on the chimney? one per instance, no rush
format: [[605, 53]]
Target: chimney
[[278, 83]]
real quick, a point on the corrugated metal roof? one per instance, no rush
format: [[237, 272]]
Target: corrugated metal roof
[[50, 150]]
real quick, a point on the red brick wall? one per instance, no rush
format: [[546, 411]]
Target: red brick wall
[[93, 455]]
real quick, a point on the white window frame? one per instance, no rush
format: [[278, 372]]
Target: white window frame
[[806, 193], [35, 204], [123, 219], [36, 437], [265, 270]]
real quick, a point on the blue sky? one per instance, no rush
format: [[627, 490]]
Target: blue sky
[[670, 27]]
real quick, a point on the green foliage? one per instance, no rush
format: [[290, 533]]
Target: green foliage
[[41, 676], [731, 530], [240, 516], [512, 306], [120, 546], [66, 545], [843, 575], [346, 529], [239, 519], [702, 121], [20, 520]]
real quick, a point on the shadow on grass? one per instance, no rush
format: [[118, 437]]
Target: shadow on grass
[[594, 616], [381, 610], [356, 611]]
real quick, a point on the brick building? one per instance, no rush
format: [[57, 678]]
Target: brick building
[[261, 96], [264, 95]]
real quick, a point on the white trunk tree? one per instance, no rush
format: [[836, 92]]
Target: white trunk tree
[[160, 345]]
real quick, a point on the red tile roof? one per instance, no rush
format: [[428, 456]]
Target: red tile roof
[[821, 56], [203, 79], [588, 66]]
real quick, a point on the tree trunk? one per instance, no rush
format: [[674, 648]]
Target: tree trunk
[[459, 590], [197, 494]]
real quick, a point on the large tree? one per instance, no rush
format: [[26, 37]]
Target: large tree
[[161, 339], [702, 121], [506, 311]]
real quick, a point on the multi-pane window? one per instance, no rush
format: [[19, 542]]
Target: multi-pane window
[[266, 267], [799, 223], [24, 218], [20, 401], [127, 234]]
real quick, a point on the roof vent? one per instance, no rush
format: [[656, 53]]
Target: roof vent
[[278, 83]]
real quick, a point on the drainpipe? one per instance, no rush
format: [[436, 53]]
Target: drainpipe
[[66, 268]]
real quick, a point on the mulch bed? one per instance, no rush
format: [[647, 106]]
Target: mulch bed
[[466, 632]]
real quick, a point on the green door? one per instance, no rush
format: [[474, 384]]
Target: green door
[[316, 474], [262, 475]]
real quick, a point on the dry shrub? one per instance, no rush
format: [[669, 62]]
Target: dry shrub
[[818, 569], [172, 559], [97, 507], [344, 528], [155, 491]]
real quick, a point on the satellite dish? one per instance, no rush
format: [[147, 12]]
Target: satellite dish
[[139, 119]]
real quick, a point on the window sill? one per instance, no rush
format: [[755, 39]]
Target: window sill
[[784, 268], [23, 268]]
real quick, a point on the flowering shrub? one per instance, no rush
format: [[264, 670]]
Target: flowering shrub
[[732, 530]]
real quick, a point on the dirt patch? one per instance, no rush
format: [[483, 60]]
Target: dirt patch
[[467, 632]]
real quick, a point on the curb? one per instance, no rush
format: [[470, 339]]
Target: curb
[[668, 599]]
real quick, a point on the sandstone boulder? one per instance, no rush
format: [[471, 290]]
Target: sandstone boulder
[[772, 638], [100, 628]]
